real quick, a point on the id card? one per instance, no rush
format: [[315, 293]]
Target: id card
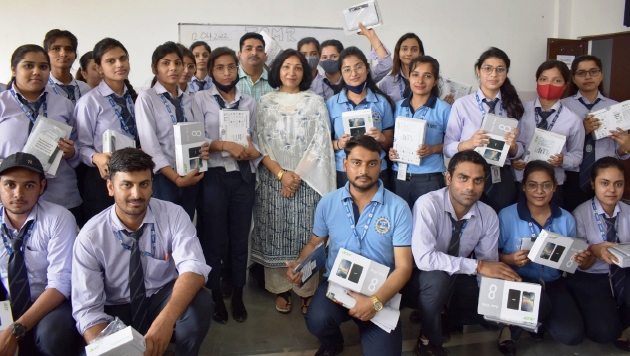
[[402, 171], [496, 174]]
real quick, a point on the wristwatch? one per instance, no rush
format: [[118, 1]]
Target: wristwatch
[[19, 330], [378, 306]]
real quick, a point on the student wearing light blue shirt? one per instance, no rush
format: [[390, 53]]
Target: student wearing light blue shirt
[[359, 92], [423, 104], [523, 221]]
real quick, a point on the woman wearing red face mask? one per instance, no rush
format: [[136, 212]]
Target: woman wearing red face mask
[[548, 113]]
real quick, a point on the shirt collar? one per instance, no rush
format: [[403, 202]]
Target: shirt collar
[[105, 90], [600, 209], [448, 207], [482, 96], [57, 81], [17, 92], [159, 89], [31, 216], [554, 107], [378, 197], [430, 102], [579, 95], [242, 74], [400, 75], [207, 79], [214, 91], [525, 215], [117, 225], [370, 98]]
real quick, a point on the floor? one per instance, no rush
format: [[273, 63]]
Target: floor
[[267, 332]]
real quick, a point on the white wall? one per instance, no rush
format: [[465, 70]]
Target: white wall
[[455, 31]]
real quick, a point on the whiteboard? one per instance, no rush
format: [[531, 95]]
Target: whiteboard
[[287, 36]]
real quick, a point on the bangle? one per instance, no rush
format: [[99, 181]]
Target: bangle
[[479, 265], [379, 47], [280, 174]]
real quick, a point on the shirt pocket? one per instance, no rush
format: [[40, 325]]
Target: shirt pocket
[[157, 269], [36, 261]]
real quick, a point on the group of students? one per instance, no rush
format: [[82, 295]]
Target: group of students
[[304, 180]]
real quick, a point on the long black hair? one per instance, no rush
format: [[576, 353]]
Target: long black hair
[[84, 61], [162, 51], [435, 70], [573, 89], [19, 54], [354, 51], [511, 102], [104, 45], [397, 64]]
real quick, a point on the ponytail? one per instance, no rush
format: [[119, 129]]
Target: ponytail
[[509, 96], [131, 91], [153, 81], [79, 76]]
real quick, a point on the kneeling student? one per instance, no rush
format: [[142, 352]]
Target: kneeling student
[[382, 234], [36, 263]]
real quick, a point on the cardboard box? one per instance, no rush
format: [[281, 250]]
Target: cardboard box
[[125, 342], [312, 263], [189, 136], [556, 251], [511, 302], [6, 317], [622, 252], [357, 273], [495, 152], [114, 141], [43, 140], [356, 123]]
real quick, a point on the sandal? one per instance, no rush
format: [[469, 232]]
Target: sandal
[[306, 302], [286, 297]]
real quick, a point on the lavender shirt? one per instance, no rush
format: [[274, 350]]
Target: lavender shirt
[[393, 86], [320, 88], [194, 87], [80, 88], [3, 87]]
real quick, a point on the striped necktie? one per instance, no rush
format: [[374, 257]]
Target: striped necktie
[[137, 292], [179, 110], [588, 154], [453, 249], [19, 286], [617, 274], [69, 89]]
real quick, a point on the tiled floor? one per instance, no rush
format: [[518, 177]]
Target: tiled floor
[[267, 332]]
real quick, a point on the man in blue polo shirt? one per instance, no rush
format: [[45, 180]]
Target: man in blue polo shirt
[[383, 234]]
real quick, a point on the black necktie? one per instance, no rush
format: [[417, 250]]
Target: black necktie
[[201, 84], [243, 166], [492, 104], [453, 249], [334, 87], [137, 292], [544, 115], [617, 274], [588, 154], [19, 286], [179, 110], [33, 107], [125, 113], [407, 91], [69, 89]]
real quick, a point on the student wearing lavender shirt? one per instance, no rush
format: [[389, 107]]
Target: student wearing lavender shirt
[[26, 98], [604, 221], [62, 49], [108, 107], [201, 80], [449, 225], [227, 190], [158, 109], [140, 260], [188, 59], [495, 95], [586, 94], [548, 113], [3, 87]]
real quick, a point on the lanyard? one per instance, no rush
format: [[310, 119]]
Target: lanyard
[[4, 231], [168, 107], [483, 111], [422, 113], [28, 112], [123, 124], [143, 253], [546, 227], [365, 228], [400, 87], [601, 226], [552, 121], [54, 86]]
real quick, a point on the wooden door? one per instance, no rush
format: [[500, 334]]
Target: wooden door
[[562, 46]]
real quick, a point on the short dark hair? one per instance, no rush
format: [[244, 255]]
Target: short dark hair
[[308, 40], [606, 162], [248, 35], [365, 141], [466, 156], [335, 43], [218, 52], [200, 43], [539, 166], [554, 63], [52, 35], [274, 70], [129, 160]]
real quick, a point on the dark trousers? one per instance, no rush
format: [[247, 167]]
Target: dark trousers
[[225, 215], [502, 194], [558, 312], [604, 320], [95, 195], [165, 189], [418, 185], [573, 195], [325, 316], [192, 326], [80, 171], [342, 178]]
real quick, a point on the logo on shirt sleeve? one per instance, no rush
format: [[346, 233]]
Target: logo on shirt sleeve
[[376, 117], [382, 226]]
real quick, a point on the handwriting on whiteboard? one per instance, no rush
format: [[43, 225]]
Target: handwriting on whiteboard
[[209, 36], [280, 34]]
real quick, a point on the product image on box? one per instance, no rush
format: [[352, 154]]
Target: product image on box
[[344, 269], [514, 303], [496, 151], [514, 299], [189, 136], [548, 250], [357, 273], [356, 123], [556, 251], [527, 304]]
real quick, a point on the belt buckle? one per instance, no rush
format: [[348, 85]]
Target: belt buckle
[[408, 177]]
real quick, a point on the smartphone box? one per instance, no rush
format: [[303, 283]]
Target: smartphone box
[[125, 342], [511, 302], [312, 263], [6, 317], [114, 141], [357, 273], [556, 251], [495, 152], [356, 123], [43, 140], [189, 136], [622, 252]]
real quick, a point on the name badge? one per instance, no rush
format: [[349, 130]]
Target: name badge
[[402, 171], [496, 174]]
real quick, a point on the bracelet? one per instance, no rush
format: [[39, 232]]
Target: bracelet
[[280, 174], [479, 265], [379, 47]]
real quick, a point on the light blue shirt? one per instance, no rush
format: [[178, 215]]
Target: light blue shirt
[[436, 115], [100, 265], [382, 115], [255, 90], [155, 125], [516, 220], [47, 252], [389, 227], [194, 87], [433, 229], [80, 88]]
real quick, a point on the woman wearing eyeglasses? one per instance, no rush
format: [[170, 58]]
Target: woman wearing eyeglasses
[[586, 94], [496, 95], [548, 113], [523, 221]]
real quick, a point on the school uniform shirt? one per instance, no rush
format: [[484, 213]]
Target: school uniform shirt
[[567, 124], [3, 87], [433, 229], [255, 90], [587, 227], [47, 251], [378, 72], [321, 88], [384, 224], [80, 88], [605, 147], [100, 264], [382, 116], [516, 223], [436, 113], [393, 85], [95, 115], [207, 109], [194, 84], [14, 132], [155, 124]]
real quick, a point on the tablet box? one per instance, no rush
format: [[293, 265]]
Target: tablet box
[[6, 318], [114, 141], [125, 342], [556, 251], [189, 136], [622, 252], [357, 273], [510, 301]]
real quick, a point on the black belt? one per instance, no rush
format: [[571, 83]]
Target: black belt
[[424, 176]]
